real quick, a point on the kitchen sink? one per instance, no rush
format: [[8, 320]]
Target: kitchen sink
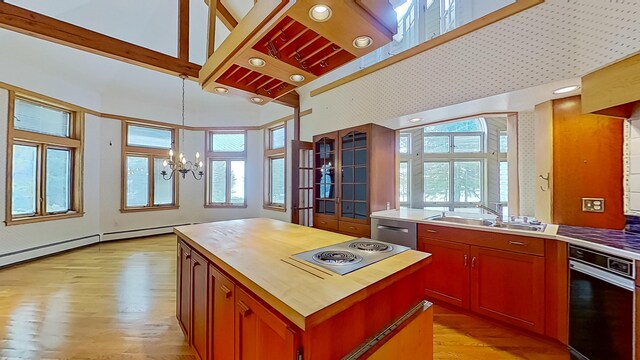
[[462, 220], [489, 223]]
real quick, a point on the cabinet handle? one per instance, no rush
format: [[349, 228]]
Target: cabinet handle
[[352, 227], [244, 309], [473, 262], [323, 222], [466, 258], [431, 231], [519, 243], [226, 291]]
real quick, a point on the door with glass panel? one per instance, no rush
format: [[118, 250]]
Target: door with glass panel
[[325, 181], [353, 201], [302, 189]]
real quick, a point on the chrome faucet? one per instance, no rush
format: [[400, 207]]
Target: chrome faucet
[[497, 213]]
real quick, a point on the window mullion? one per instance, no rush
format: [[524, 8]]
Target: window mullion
[[42, 180], [151, 181], [228, 187]]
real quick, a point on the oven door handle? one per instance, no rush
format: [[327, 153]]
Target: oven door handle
[[616, 280]]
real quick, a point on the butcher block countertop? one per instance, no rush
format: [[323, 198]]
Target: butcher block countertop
[[256, 253]]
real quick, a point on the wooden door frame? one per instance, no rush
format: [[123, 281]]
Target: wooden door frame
[[296, 146]]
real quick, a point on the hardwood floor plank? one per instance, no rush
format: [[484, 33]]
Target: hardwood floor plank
[[116, 300]]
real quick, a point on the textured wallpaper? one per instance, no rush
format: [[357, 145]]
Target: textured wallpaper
[[527, 162]]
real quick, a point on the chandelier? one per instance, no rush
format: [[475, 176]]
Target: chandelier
[[182, 165]]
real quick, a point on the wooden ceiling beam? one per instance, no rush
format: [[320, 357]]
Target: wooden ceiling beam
[[224, 15], [183, 30], [43, 27], [211, 29], [290, 99]]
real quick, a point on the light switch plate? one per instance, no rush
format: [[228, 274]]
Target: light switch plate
[[593, 205]]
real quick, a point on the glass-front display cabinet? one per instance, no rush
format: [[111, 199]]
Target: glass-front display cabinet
[[354, 176]]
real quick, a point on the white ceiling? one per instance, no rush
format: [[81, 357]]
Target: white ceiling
[[151, 24]]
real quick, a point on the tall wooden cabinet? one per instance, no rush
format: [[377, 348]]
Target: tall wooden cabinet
[[354, 175]]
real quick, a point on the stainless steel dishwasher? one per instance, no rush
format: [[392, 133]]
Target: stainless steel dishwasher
[[396, 232]]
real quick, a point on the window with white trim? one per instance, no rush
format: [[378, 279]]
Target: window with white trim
[[226, 161]]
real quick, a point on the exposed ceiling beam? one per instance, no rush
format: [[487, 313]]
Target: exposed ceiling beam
[[43, 27], [224, 15], [291, 99], [211, 29], [183, 30]]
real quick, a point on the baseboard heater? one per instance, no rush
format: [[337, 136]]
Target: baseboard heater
[[128, 234], [19, 256]]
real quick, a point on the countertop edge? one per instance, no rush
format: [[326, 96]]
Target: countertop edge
[[300, 320], [550, 233]]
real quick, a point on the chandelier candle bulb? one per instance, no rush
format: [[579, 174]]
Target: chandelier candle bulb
[[184, 160], [170, 154], [165, 163]]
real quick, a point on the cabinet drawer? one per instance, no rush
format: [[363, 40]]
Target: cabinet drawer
[[488, 239], [325, 224], [356, 229]]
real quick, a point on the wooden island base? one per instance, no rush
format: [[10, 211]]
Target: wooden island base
[[224, 318]]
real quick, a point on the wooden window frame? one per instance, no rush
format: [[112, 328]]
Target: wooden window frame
[[150, 153], [74, 143], [270, 154], [228, 157]]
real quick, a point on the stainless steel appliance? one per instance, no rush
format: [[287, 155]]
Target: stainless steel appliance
[[601, 305], [396, 232], [351, 255]]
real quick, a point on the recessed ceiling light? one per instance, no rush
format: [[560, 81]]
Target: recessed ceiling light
[[257, 100], [362, 42], [415, 119], [566, 89], [257, 62], [297, 78], [220, 90], [320, 13]]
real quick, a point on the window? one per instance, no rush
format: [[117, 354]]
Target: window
[[405, 143], [226, 161], [404, 182], [454, 163], [275, 158], [45, 161], [145, 149]]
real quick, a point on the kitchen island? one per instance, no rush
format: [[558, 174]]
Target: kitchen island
[[241, 294]]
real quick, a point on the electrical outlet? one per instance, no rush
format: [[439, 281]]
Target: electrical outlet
[[593, 205]]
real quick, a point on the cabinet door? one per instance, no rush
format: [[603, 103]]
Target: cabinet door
[[447, 277], [199, 303], [325, 177], [260, 334], [183, 288], [221, 315], [508, 286], [354, 177]]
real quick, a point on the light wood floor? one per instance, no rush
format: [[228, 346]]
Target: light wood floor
[[117, 301]]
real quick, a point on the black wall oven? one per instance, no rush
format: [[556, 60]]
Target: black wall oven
[[601, 305]]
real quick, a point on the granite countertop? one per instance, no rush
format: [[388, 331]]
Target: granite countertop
[[624, 243], [611, 239]]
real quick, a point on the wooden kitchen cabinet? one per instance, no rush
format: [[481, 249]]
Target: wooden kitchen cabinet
[[448, 276], [183, 289], [221, 316], [260, 334], [508, 286], [199, 304], [353, 177], [497, 275]]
